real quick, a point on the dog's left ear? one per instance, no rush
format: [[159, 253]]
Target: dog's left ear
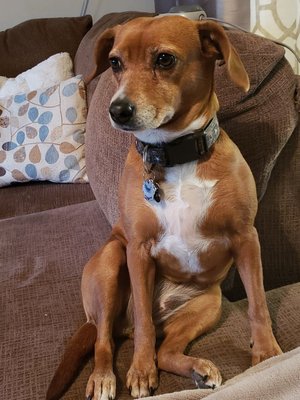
[[102, 47], [215, 44]]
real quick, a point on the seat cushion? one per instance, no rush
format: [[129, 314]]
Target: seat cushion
[[28, 198], [42, 257]]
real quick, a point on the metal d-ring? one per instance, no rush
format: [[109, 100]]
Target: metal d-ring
[[147, 166]]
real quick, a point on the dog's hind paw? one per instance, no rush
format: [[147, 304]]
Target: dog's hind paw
[[101, 386], [206, 375], [200, 381]]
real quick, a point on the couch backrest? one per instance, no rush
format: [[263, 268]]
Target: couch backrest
[[33, 41]]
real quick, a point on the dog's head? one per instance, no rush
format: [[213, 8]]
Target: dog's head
[[164, 71]]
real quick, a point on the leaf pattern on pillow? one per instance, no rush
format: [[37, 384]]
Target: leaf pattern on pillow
[[4, 122], [46, 136]]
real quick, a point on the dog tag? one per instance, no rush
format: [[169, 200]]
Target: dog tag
[[151, 190]]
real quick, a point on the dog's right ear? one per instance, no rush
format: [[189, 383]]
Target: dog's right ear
[[103, 46]]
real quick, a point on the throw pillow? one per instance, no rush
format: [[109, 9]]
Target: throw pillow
[[42, 134], [55, 69]]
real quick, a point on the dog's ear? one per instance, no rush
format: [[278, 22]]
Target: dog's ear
[[102, 47], [215, 44]]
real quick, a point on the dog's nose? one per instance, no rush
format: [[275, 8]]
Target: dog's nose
[[121, 111]]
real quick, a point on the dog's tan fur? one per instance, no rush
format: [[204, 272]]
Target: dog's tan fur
[[139, 283]]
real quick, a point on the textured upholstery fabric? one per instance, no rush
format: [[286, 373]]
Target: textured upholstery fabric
[[106, 149], [278, 222], [42, 257], [31, 42], [28, 198], [279, 215]]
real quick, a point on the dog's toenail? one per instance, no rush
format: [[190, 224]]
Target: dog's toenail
[[213, 386], [89, 397], [200, 380], [151, 390]]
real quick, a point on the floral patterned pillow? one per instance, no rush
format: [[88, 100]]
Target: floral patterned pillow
[[42, 134]]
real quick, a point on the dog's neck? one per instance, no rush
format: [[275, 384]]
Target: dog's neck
[[190, 146]]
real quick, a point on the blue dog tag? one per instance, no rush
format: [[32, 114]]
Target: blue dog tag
[[151, 190]]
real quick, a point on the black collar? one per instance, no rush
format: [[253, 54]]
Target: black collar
[[187, 148]]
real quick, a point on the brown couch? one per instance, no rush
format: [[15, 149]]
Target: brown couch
[[49, 231]]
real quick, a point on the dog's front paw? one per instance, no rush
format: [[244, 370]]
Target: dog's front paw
[[101, 386], [205, 374], [264, 349], [142, 379]]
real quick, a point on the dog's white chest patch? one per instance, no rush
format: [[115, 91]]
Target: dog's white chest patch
[[186, 200]]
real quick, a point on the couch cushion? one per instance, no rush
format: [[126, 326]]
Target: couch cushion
[[278, 219], [277, 222], [33, 41], [42, 257], [32, 197]]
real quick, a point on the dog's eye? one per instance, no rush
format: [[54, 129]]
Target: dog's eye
[[116, 64], [165, 61]]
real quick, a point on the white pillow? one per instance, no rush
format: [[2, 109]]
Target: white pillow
[[50, 72]]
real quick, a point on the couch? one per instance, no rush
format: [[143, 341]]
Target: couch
[[48, 231]]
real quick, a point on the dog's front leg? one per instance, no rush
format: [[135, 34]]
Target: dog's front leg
[[248, 261], [104, 290], [142, 375]]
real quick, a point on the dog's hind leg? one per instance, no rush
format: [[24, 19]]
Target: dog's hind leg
[[196, 317], [105, 287]]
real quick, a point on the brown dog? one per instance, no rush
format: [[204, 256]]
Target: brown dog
[[187, 204]]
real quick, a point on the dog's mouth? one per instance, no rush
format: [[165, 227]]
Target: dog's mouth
[[129, 117], [139, 125], [132, 127]]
